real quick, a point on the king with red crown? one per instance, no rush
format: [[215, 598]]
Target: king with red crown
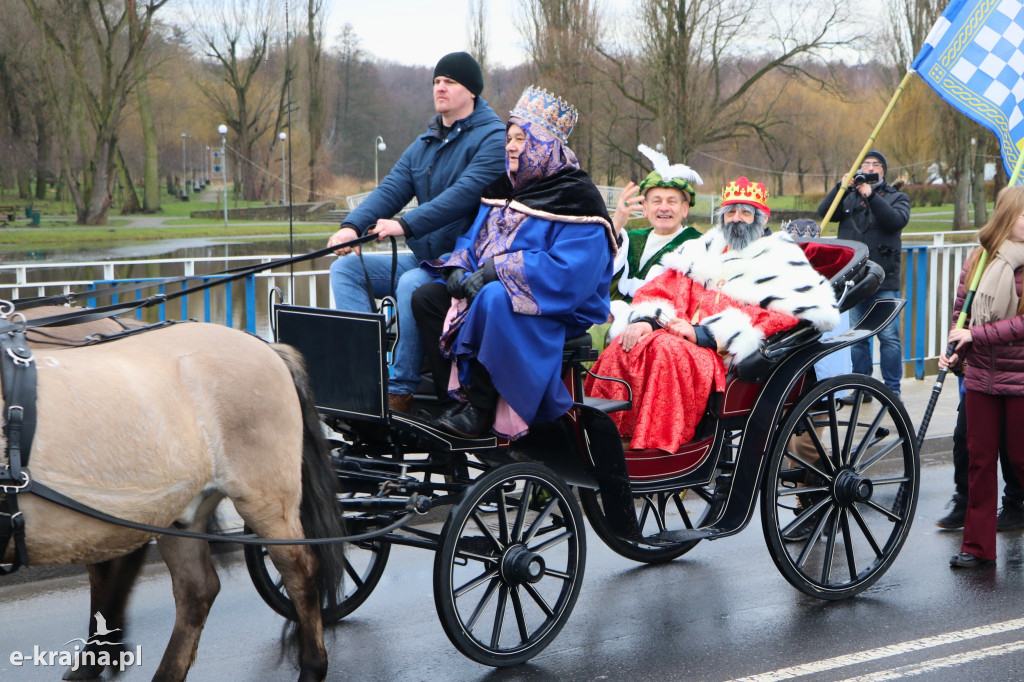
[[720, 296]]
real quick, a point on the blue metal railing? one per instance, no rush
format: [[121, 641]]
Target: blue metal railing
[[930, 275], [915, 314], [248, 314]]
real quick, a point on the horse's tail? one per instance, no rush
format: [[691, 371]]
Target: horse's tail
[[319, 509]]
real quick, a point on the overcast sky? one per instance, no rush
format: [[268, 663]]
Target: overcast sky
[[422, 31]]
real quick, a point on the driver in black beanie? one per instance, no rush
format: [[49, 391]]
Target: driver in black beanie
[[445, 169], [875, 213]]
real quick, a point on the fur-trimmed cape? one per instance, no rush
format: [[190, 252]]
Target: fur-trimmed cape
[[772, 273]]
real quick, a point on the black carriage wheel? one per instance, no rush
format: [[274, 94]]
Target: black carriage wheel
[[364, 565], [678, 509], [510, 566], [841, 487]]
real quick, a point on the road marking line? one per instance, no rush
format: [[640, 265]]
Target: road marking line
[[884, 652], [939, 663]]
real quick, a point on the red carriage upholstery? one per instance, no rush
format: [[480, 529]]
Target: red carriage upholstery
[[739, 396], [828, 259]]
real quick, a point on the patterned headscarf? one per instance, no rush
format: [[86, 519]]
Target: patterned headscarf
[[543, 155]]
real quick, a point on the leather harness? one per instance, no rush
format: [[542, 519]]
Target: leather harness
[[18, 374]]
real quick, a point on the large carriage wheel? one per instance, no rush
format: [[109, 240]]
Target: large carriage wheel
[[678, 509], [841, 487], [510, 565], [363, 568]]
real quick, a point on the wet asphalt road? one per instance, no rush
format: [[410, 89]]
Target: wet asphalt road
[[719, 613]]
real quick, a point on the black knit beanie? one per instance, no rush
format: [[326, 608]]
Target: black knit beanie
[[462, 68], [875, 154]]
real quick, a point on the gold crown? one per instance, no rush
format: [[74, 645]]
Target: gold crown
[[553, 113], [743, 191]]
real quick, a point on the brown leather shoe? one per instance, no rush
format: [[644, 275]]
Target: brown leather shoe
[[400, 402]]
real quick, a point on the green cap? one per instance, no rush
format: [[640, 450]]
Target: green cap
[[654, 179]]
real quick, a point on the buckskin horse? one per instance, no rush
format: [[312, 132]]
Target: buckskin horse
[[157, 428]]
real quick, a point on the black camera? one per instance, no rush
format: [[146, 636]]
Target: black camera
[[860, 177]]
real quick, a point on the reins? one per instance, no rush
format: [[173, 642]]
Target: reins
[[47, 493], [17, 366], [211, 280]]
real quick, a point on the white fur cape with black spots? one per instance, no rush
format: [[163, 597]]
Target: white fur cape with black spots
[[771, 272]]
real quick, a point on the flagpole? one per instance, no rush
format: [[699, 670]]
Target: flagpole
[[866, 149], [960, 321], [1016, 169]]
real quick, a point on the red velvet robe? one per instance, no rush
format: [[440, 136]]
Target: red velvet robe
[[671, 377]]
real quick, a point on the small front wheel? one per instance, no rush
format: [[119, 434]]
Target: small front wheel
[[363, 567], [841, 487], [510, 565]]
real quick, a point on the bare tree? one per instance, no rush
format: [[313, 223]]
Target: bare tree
[[150, 141], [316, 115], [252, 102], [561, 38], [478, 34], [357, 112], [702, 60], [27, 136], [98, 44], [908, 24]]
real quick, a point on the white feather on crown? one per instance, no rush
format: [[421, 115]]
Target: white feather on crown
[[669, 171]]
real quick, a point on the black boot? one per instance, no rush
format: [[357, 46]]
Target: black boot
[[468, 422], [1011, 516], [954, 520]]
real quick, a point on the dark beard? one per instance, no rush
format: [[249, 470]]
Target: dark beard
[[741, 235]]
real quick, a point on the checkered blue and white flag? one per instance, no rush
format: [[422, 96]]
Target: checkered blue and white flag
[[973, 57]]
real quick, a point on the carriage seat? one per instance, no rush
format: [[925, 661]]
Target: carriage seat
[[576, 351]]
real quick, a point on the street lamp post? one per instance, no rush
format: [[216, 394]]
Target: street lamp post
[[206, 168], [284, 179], [223, 130], [378, 146], [184, 176]]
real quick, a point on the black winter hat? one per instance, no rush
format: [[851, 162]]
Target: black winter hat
[[462, 68], [875, 154]]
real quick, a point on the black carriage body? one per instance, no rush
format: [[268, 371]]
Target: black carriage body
[[393, 462]]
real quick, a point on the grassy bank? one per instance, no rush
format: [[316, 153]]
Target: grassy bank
[[58, 228], [44, 236]]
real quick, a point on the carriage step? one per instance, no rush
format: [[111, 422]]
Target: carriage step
[[677, 536]]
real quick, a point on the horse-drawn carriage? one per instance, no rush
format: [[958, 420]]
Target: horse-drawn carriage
[[834, 462]]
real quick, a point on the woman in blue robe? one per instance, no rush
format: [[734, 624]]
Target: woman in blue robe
[[532, 271]]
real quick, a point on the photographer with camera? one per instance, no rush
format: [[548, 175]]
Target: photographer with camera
[[874, 212]]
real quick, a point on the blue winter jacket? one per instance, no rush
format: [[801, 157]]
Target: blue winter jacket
[[446, 175]]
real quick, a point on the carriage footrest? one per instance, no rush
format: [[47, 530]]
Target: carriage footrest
[[677, 536], [606, 405]]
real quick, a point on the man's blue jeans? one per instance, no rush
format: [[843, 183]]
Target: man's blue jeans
[[890, 350], [349, 286]]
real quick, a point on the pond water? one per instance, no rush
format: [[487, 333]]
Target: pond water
[[78, 266], [164, 248]]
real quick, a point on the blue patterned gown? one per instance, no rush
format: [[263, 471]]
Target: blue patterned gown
[[552, 250]]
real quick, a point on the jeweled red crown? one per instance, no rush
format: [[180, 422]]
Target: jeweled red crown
[[743, 191]]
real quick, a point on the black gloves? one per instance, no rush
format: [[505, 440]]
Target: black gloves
[[454, 283], [472, 285], [469, 287]]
